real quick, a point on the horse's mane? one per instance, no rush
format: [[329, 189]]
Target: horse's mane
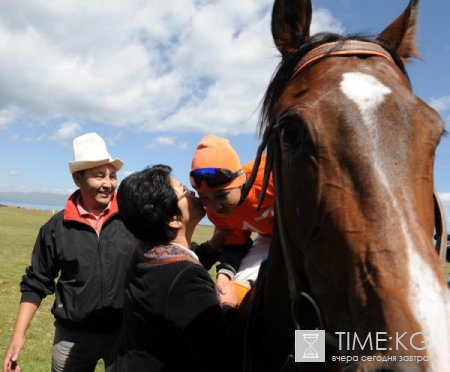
[[278, 84]]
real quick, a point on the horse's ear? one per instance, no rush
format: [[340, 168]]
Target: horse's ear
[[400, 35], [291, 20]]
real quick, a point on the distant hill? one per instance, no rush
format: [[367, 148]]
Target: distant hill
[[52, 199], [35, 197]]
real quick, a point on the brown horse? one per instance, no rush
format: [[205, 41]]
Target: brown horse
[[351, 149]]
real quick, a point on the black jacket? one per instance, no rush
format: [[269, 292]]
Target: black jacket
[[91, 268], [173, 322]]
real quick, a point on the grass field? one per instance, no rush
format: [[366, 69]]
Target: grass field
[[18, 231]]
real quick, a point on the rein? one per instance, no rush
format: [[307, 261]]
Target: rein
[[296, 293]]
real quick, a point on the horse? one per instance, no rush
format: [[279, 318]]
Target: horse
[[351, 151]]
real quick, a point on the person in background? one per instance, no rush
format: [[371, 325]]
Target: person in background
[[218, 177], [86, 249], [173, 317]]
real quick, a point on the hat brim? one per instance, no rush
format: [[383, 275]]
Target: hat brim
[[76, 166]]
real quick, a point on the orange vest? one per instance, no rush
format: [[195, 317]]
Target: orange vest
[[245, 219]]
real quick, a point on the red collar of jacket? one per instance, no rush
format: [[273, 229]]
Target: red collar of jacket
[[71, 210]]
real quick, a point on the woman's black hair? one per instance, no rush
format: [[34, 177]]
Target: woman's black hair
[[147, 203]]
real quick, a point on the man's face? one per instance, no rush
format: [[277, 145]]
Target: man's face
[[222, 202], [97, 186]]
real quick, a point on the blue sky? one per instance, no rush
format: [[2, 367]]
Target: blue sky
[[154, 77]]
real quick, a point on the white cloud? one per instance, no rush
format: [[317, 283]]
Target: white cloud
[[323, 21], [7, 116], [441, 104], [177, 65], [67, 131], [445, 197], [14, 173], [165, 141], [125, 173], [35, 139], [111, 141]]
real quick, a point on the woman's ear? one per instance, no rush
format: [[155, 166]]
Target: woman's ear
[[176, 222]]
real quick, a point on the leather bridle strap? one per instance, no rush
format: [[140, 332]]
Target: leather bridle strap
[[296, 294], [347, 48]]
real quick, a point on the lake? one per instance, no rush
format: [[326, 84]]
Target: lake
[[32, 205]]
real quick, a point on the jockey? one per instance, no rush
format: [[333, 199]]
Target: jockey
[[218, 177]]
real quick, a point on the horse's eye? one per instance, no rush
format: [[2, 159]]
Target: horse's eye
[[293, 133]]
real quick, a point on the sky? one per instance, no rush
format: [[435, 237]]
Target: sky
[[153, 77]]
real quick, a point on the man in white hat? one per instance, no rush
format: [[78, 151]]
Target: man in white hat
[[87, 247]]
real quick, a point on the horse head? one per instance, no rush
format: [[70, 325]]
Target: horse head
[[352, 151]]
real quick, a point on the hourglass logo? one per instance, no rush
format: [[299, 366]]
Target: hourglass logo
[[310, 346]]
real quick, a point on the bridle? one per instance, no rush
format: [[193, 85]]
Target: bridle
[[297, 293], [348, 48]]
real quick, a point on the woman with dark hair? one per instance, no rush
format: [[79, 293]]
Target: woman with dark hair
[[172, 313]]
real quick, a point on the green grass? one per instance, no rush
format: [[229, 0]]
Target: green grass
[[18, 230]]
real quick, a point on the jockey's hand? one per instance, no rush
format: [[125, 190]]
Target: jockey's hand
[[222, 283], [230, 294]]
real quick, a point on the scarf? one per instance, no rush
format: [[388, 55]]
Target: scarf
[[164, 254]]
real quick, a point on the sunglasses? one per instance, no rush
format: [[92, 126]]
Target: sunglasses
[[212, 176]]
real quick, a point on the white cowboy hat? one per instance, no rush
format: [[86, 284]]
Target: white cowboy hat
[[89, 151]]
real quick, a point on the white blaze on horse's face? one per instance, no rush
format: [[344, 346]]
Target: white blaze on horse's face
[[366, 91]]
